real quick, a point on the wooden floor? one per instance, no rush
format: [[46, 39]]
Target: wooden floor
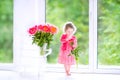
[[10, 75]]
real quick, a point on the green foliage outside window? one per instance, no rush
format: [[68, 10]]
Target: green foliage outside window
[[6, 31], [77, 11], [109, 32]]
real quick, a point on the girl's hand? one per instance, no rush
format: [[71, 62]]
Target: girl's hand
[[69, 37], [70, 54]]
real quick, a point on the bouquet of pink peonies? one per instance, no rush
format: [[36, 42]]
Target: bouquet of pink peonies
[[42, 33]]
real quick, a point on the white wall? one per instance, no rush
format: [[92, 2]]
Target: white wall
[[27, 13]]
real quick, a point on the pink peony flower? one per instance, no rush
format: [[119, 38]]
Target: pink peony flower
[[33, 30], [46, 28], [40, 27]]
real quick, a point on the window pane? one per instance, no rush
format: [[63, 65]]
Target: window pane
[[58, 12], [109, 32], [6, 31]]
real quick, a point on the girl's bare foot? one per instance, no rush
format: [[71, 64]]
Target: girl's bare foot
[[68, 73]]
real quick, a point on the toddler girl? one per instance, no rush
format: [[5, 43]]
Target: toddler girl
[[68, 43]]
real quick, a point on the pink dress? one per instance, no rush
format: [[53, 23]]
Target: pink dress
[[65, 50]]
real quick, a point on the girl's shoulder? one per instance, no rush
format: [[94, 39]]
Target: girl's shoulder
[[64, 35]]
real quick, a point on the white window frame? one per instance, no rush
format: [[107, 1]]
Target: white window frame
[[93, 60], [114, 69], [27, 14]]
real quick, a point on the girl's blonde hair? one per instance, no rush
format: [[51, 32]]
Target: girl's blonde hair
[[69, 25]]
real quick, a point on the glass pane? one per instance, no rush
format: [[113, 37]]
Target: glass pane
[[6, 31], [58, 12], [108, 33]]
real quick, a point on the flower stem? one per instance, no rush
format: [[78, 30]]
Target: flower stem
[[42, 52]]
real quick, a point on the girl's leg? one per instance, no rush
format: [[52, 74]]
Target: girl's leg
[[67, 69], [69, 66]]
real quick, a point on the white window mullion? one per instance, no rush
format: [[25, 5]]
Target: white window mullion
[[95, 61], [91, 36]]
